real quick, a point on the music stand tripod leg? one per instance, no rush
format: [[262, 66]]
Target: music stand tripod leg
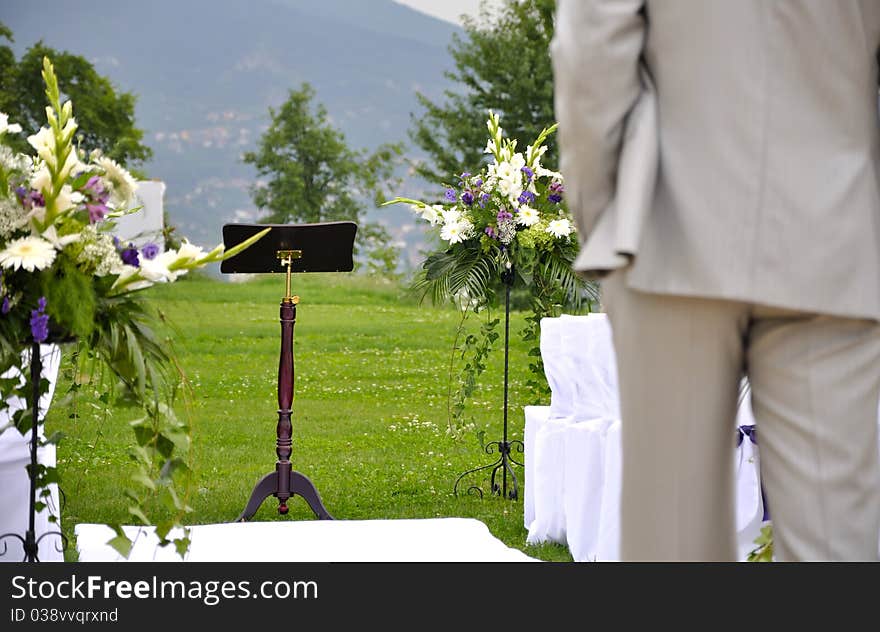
[[264, 488]]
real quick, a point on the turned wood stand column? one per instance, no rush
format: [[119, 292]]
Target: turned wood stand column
[[284, 482]]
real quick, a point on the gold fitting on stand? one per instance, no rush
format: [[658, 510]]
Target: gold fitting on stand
[[286, 257]]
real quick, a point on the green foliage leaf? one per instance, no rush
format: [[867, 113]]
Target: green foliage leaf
[[138, 513], [181, 545], [763, 552], [121, 544]]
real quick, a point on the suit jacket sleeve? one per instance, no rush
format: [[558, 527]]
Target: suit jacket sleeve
[[596, 48]]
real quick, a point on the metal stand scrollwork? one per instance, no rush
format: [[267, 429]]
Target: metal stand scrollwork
[[30, 542], [504, 446]]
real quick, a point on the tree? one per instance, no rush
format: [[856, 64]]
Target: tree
[[311, 175], [503, 64], [105, 115]]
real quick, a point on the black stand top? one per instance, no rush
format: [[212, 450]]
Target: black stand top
[[323, 247]]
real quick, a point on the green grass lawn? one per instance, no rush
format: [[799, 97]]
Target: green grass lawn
[[369, 415]]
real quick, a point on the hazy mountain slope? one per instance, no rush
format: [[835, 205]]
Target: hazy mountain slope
[[206, 71]]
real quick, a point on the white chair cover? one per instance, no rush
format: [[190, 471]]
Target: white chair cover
[[572, 447]]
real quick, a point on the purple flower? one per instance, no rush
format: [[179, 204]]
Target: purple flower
[[529, 173], [4, 309], [526, 197], [94, 186], [96, 212], [490, 231], [96, 192], [556, 190], [40, 321], [464, 175], [483, 199], [29, 199], [478, 182], [450, 195], [150, 251], [467, 197], [503, 215], [129, 256]]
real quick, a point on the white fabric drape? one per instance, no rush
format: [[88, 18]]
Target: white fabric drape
[[14, 483]]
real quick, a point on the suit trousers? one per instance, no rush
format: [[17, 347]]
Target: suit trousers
[[815, 384]]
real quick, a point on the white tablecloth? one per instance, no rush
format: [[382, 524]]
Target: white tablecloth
[[14, 482], [572, 447], [417, 540]]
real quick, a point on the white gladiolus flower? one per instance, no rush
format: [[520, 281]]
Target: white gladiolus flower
[[156, 270], [44, 142], [71, 163], [517, 162], [126, 272], [188, 252], [65, 198], [30, 253], [541, 172], [6, 126], [559, 228], [533, 156], [69, 128], [51, 235], [456, 232], [507, 179], [527, 216], [432, 214], [41, 180]]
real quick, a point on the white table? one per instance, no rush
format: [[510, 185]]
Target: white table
[[14, 482]]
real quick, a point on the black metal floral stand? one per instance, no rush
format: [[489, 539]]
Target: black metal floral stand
[[30, 542], [503, 447]]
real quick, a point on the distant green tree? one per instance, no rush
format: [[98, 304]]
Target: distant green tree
[[311, 175], [105, 115], [502, 63]]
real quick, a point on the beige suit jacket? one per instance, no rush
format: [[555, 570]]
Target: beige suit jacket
[[764, 181]]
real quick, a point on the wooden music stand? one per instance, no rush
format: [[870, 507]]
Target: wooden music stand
[[289, 248]]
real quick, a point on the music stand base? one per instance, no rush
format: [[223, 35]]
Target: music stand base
[[299, 485]]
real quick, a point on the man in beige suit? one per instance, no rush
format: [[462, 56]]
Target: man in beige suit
[[757, 254]]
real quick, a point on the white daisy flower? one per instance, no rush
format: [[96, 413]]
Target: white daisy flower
[[456, 232], [527, 216], [120, 182], [559, 228], [30, 253], [450, 216]]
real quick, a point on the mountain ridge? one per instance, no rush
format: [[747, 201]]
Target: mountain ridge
[[206, 72]]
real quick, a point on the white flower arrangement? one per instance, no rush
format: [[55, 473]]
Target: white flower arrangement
[[56, 220], [514, 204]]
